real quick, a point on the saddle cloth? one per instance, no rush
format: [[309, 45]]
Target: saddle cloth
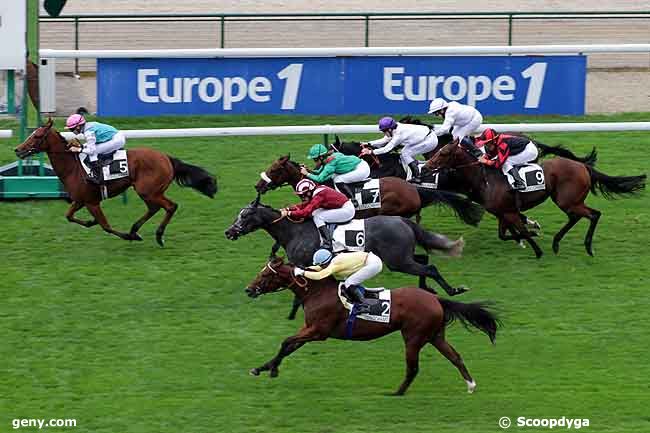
[[379, 300], [350, 236], [366, 193], [113, 165], [532, 175]]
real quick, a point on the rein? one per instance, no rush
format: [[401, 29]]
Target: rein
[[280, 218], [294, 282]]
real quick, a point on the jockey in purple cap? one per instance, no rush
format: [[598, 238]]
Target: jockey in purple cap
[[100, 139], [415, 139]]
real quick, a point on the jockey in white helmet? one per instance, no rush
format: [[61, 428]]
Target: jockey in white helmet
[[464, 119]]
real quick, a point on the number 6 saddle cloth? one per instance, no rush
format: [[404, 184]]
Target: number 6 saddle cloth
[[114, 165], [377, 298], [350, 236]]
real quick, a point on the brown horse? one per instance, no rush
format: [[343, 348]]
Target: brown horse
[[150, 173], [398, 197], [567, 183], [421, 317]]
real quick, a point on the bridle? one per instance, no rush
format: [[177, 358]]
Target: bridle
[[294, 280]]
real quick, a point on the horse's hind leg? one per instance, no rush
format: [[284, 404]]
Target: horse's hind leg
[[152, 209], [413, 346], [594, 216], [454, 357], [515, 221], [573, 220], [74, 207], [96, 211], [414, 268], [170, 208]]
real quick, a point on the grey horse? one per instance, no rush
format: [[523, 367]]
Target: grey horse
[[392, 238]]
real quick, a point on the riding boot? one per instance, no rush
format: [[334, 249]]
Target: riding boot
[[415, 171], [326, 235], [95, 172], [348, 191], [356, 294], [519, 182]]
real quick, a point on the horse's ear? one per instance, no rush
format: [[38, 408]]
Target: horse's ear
[[49, 122], [337, 141], [284, 158]]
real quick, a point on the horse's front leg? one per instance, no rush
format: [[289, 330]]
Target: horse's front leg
[[74, 207], [294, 308], [288, 346], [96, 211]]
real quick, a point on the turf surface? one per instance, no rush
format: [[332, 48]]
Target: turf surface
[[129, 337]]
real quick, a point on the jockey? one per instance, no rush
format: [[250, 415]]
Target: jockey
[[416, 139], [324, 204], [100, 139], [464, 119], [353, 267], [504, 151], [342, 169]]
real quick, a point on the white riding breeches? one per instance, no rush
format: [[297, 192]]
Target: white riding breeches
[[117, 142], [527, 155], [372, 267], [409, 153], [340, 215], [461, 131], [359, 174]]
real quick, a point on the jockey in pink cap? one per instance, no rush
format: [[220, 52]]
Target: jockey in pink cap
[[100, 139]]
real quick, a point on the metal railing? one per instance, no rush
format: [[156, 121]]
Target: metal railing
[[366, 17]]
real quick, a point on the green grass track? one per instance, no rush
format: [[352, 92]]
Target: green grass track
[[129, 338]]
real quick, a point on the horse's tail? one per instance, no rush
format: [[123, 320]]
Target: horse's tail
[[195, 177], [465, 209], [473, 313], [431, 241], [560, 150], [611, 186]]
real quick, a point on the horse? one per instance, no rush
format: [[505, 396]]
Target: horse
[[398, 197], [568, 183], [420, 316], [392, 238], [150, 173]]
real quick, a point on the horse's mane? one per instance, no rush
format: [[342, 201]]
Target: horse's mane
[[414, 121]]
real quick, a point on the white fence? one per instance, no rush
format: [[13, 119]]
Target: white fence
[[363, 129], [347, 51]]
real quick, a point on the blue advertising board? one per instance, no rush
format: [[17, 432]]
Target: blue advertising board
[[340, 85]]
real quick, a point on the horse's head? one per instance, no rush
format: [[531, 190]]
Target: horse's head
[[274, 276], [281, 172], [41, 140], [451, 155], [250, 218]]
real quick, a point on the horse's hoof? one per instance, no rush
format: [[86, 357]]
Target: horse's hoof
[[160, 240], [522, 244], [471, 387], [254, 372], [274, 372], [291, 317], [135, 236], [395, 394]]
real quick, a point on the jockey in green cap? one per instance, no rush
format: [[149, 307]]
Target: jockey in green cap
[[342, 169]]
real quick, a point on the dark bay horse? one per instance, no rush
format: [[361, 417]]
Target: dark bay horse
[[398, 197], [150, 173], [568, 183], [421, 317], [391, 238]]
